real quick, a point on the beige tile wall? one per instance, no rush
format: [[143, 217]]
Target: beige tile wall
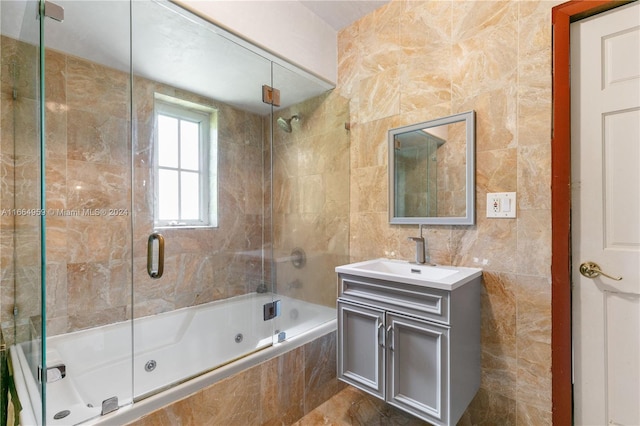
[[412, 61]]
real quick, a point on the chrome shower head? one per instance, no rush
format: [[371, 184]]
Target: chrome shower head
[[285, 123]]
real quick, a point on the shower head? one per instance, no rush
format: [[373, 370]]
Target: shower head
[[285, 123]]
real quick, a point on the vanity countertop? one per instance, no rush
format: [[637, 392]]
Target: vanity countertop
[[432, 276]]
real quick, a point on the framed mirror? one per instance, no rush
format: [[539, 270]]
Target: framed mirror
[[432, 172]]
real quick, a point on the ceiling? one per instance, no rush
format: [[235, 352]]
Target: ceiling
[[174, 47], [340, 13]]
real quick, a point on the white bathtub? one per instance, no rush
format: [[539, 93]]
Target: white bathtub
[[218, 339]]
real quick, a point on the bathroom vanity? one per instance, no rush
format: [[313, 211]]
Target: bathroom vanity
[[409, 334]]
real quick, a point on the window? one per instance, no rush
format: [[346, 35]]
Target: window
[[185, 164]]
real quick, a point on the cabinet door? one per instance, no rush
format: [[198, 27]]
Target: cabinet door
[[417, 367], [361, 347]]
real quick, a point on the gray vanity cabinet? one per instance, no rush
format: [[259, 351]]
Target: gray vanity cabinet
[[410, 345]]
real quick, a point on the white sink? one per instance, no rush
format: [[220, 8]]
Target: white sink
[[442, 277]]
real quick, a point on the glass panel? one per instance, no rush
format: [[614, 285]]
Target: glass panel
[[167, 141], [190, 193], [21, 221], [310, 205], [168, 199], [189, 145], [222, 276], [88, 188]]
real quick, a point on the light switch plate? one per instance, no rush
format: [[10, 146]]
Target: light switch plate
[[501, 205]]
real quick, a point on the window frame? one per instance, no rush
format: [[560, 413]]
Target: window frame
[[206, 118]]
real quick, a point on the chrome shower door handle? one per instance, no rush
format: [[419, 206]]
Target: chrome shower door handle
[[157, 272]]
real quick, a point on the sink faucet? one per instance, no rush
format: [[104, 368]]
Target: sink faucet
[[420, 247]]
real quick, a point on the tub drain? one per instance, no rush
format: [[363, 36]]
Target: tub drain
[[150, 366], [239, 337], [61, 414]]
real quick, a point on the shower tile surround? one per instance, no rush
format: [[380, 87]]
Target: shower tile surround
[[415, 60]]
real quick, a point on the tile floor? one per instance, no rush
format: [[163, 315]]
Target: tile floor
[[351, 407]]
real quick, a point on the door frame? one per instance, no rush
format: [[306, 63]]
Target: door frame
[[561, 351]]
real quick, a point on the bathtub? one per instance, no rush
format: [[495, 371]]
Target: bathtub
[[175, 354]]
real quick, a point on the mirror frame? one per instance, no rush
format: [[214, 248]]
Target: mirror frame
[[469, 118]]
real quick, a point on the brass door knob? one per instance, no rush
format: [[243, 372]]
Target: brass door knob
[[592, 270]]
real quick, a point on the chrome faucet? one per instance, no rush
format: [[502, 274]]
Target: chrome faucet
[[420, 247]]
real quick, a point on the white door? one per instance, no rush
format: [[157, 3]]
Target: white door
[[605, 227]]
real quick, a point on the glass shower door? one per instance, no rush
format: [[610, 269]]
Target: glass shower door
[[310, 177], [199, 186]]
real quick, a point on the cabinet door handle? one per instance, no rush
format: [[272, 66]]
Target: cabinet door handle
[[381, 339], [390, 333]]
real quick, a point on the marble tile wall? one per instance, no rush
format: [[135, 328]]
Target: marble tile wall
[[412, 61], [311, 197], [276, 392]]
